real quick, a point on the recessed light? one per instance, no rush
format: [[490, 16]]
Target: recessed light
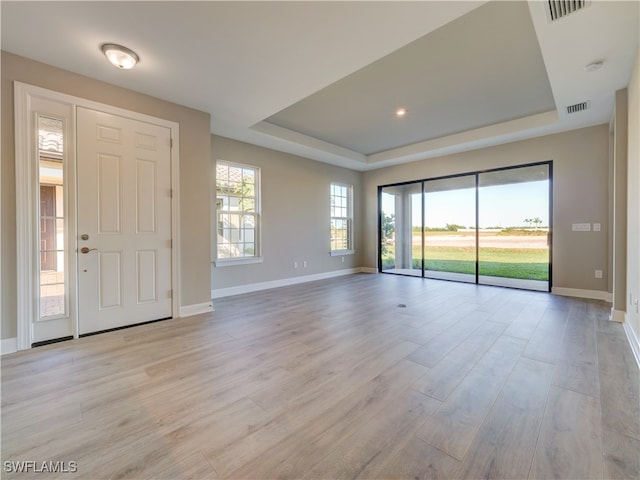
[[401, 112], [593, 66], [120, 56]]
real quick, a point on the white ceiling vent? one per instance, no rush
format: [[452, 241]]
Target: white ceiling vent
[[562, 8], [578, 107]]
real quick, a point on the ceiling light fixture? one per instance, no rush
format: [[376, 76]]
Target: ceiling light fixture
[[401, 112], [593, 66], [120, 56]]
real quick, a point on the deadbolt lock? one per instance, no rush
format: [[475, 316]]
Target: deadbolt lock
[[84, 236]]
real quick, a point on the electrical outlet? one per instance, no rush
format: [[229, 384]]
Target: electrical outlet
[[295, 264], [342, 259], [597, 227], [598, 273], [304, 264]]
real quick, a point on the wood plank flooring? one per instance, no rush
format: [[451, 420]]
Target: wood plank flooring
[[366, 376]]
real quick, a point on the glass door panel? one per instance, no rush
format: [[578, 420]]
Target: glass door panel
[[401, 229], [387, 229], [450, 228], [513, 236]]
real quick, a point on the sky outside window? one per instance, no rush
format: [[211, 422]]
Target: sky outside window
[[500, 206]]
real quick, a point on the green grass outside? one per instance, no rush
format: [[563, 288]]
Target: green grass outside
[[529, 263]]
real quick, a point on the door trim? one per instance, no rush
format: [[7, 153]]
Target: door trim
[[26, 217]]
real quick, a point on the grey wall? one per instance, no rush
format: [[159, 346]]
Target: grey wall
[[580, 195], [195, 173], [295, 215]]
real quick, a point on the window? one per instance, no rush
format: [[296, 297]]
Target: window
[[341, 219], [238, 212], [52, 232]]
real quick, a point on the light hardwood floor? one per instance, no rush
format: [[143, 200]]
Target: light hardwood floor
[[366, 376]]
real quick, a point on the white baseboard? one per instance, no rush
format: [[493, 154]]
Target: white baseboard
[[633, 339], [8, 345], [368, 270], [190, 310], [577, 292], [617, 316], [285, 282]]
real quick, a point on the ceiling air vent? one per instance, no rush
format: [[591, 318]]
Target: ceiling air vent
[[562, 8], [578, 107]]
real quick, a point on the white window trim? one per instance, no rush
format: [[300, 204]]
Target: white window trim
[[350, 210], [229, 262], [258, 258], [340, 253]]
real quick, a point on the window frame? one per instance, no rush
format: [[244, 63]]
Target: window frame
[[350, 250], [256, 214]]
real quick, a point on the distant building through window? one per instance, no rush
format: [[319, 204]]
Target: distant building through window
[[238, 211]]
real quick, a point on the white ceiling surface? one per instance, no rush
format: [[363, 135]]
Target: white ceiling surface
[[244, 62]]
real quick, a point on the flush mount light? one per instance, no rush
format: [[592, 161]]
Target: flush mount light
[[593, 66], [401, 112], [120, 56]]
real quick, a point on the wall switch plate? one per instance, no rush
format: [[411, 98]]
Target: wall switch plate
[[581, 227], [304, 264], [597, 227], [295, 264], [598, 273]]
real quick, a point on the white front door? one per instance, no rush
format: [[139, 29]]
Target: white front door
[[124, 221]]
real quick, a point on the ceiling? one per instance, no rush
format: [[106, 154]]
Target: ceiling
[[323, 79]]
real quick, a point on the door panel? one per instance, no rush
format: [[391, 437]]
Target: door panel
[[513, 245], [124, 206], [109, 193], [449, 228], [401, 238]]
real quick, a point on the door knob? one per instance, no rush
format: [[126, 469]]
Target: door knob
[[86, 249]]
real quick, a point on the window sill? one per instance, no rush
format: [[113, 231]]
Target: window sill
[[230, 262], [340, 253]]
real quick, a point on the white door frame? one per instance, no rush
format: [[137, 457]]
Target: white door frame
[[26, 216]]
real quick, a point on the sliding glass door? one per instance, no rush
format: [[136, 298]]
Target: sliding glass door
[[513, 240], [401, 229], [490, 227], [450, 228]]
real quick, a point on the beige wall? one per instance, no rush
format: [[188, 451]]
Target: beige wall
[[619, 197], [633, 203], [295, 219], [195, 173], [580, 195], [295, 215]]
